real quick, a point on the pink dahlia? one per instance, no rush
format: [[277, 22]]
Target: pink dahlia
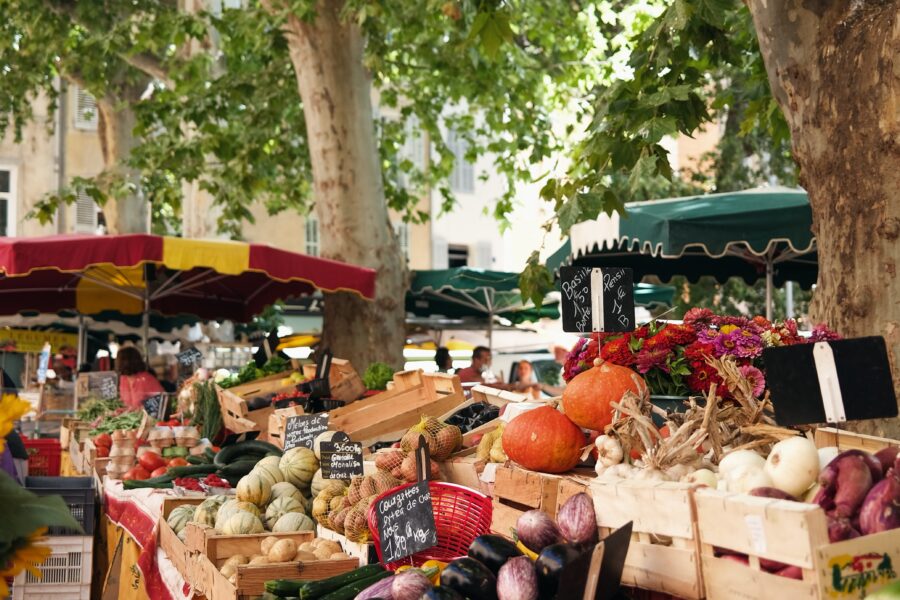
[[755, 377]]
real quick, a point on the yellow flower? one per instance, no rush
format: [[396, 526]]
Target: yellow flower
[[726, 329], [28, 556], [11, 409]]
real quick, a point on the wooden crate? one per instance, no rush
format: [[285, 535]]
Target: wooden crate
[[205, 540], [664, 554], [516, 490], [250, 582], [76, 455], [343, 380], [277, 422], [793, 533], [175, 549], [365, 552], [387, 416], [233, 403], [847, 440], [464, 468], [71, 430]]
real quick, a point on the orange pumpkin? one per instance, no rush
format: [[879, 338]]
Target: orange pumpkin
[[543, 439], [586, 399]]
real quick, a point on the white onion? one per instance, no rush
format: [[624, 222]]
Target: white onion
[[746, 477], [793, 465], [826, 455], [702, 477], [738, 459]]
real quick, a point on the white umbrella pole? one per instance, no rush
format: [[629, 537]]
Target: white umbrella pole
[[789, 300], [145, 333], [770, 280], [82, 342]]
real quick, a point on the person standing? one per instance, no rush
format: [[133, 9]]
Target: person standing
[[443, 360], [136, 383]]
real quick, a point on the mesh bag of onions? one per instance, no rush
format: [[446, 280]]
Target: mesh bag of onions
[[443, 440], [343, 508]]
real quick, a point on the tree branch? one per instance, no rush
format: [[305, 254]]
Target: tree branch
[[150, 65]]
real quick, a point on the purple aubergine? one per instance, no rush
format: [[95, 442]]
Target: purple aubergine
[[887, 457], [844, 485], [881, 509], [537, 530], [517, 580], [770, 492], [577, 520], [840, 530], [409, 585]]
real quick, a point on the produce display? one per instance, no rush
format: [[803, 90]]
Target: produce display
[[377, 376], [400, 461], [251, 372], [343, 508], [490, 446]]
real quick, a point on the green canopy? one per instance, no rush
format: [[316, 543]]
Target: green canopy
[[762, 232]]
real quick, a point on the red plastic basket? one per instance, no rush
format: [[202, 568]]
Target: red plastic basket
[[460, 515], [43, 456]]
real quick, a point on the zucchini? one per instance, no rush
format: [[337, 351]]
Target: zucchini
[[238, 468], [209, 454], [197, 460], [314, 589], [163, 481], [349, 592], [191, 470], [229, 454]]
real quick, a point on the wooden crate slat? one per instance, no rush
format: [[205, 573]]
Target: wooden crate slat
[[661, 508], [663, 569], [778, 530], [847, 440], [726, 579]]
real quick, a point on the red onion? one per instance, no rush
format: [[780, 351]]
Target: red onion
[[577, 520], [537, 530], [792, 572], [770, 492], [887, 457], [840, 530], [845, 482], [517, 580], [881, 508]]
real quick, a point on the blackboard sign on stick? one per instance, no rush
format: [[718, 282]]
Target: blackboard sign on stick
[[189, 357], [597, 574], [107, 383], [301, 430], [341, 458], [830, 382], [597, 299], [405, 521], [156, 405]]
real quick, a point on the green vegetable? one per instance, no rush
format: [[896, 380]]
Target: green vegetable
[[197, 460], [208, 412], [95, 407], [349, 592], [127, 420], [377, 376], [314, 589], [175, 452], [162, 482], [191, 470], [237, 469], [244, 450], [276, 365]]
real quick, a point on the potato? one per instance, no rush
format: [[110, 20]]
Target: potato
[[338, 556], [330, 545], [266, 544], [282, 551], [237, 559], [308, 546], [323, 553], [258, 560], [305, 556], [228, 570]]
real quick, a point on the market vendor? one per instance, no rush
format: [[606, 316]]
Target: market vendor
[[136, 383], [480, 372]]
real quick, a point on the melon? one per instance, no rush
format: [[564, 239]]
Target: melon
[[293, 521], [280, 507], [254, 488], [180, 516], [241, 523], [298, 465]]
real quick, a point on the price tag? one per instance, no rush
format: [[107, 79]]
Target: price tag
[[106, 384], [341, 458], [405, 521], [189, 357], [597, 299], [301, 430], [156, 405]]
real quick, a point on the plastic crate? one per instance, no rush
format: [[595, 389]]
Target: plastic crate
[[65, 574], [77, 492], [43, 456]]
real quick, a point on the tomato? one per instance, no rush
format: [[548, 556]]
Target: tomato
[[138, 472], [178, 462], [103, 439], [102, 451], [216, 449], [158, 472], [151, 461]]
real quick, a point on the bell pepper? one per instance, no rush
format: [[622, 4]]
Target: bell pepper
[[438, 566]]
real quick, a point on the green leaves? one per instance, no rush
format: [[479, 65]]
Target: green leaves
[[30, 512], [535, 282]]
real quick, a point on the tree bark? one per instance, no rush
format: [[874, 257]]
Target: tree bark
[[834, 68], [130, 214], [327, 54]]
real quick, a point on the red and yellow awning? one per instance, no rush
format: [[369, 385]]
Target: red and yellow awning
[[213, 279]]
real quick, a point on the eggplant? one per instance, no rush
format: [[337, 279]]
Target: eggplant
[[258, 402], [550, 565], [493, 551], [470, 578], [441, 593]]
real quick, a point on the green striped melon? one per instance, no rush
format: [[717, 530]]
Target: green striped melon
[[298, 465], [293, 521], [180, 516], [279, 507], [241, 523], [254, 488], [285, 490]]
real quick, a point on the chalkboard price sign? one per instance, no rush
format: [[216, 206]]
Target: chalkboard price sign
[[189, 357], [156, 406], [597, 299], [405, 521], [341, 458], [301, 430], [107, 385]]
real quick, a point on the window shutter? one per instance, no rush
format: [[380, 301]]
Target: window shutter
[[86, 115], [312, 236], [440, 258], [85, 214], [462, 179]]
